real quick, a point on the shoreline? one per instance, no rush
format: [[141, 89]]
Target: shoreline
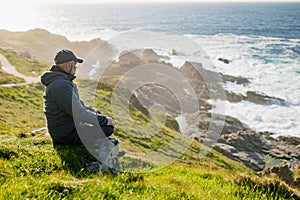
[[53, 42], [236, 140]]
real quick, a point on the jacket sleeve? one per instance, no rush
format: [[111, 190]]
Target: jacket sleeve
[[68, 100], [87, 107]]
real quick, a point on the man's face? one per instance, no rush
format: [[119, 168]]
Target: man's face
[[71, 67]]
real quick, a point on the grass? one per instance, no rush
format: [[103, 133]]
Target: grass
[[24, 65], [21, 109], [6, 78], [31, 168]]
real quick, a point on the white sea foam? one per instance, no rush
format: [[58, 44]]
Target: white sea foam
[[271, 73], [248, 58], [175, 60], [236, 88], [276, 78], [279, 120]]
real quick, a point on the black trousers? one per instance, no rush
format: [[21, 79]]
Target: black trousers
[[90, 133]]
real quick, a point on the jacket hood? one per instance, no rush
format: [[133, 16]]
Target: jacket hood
[[54, 74]]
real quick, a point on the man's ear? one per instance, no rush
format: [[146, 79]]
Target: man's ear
[[68, 66]]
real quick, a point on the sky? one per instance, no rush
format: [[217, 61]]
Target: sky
[[134, 1]]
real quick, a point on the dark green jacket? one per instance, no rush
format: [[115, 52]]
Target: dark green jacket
[[62, 104]]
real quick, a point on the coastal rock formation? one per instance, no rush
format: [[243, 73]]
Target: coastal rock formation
[[258, 150], [224, 60], [234, 139], [245, 146], [255, 97], [42, 44], [238, 80], [284, 148], [283, 172], [174, 52], [263, 153]]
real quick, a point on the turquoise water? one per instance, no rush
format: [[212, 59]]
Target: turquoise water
[[263, 19]]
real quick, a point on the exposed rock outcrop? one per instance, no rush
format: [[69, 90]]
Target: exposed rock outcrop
[[224, 60], [245, 146], [234, 139], [42, 44], [261, 152]]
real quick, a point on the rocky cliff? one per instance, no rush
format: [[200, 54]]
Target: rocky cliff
[[234, 139]]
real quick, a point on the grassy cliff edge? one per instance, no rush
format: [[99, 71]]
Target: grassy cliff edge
[[32, 168]]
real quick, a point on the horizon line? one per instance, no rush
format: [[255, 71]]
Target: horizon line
[[162, 2]]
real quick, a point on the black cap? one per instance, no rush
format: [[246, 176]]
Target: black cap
[[66, 56]]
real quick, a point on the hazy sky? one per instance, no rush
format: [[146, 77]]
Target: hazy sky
[[140, 1]]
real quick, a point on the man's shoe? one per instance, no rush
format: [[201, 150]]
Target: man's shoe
[[121, 153], [93, 167], [114, 141]]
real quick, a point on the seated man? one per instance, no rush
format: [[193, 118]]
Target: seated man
[[63, 108]]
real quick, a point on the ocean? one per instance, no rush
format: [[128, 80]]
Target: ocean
[[261, 41]]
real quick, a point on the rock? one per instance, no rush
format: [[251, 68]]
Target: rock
[[246, 147], [248, 141], [201, 79], [225, 149], [263, 99], [35, 132], [174, 52], [238, 80], [38, 131], [253, 160], [233, 97], [252, 147], [255, 97], [286, 149], [135, 101], [290, 140], [19, 52], [23, 53], [224, 60], [284, 173], [276, 153], [42, 44]]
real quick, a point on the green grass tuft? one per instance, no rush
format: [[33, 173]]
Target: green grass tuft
[[24, 65], [21, 109], [6, 78]]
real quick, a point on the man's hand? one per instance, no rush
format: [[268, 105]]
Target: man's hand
[[98, 112], [110, 122]]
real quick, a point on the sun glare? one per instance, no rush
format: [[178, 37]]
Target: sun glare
[[16, 17], [44, 2]]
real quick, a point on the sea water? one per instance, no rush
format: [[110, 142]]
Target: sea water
[[260, 40]]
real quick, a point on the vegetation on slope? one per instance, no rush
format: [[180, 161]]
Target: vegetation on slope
[[6, 78], [32, 168], [21, 109], [24, 65]]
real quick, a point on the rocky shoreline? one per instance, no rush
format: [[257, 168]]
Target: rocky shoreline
[[257, 150], [263, 153]]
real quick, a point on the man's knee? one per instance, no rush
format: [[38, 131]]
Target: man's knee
[[107, 130]]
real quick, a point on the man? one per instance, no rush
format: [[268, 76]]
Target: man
[[62, 105]]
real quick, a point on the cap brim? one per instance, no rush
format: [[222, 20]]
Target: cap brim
[[79, 60]]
